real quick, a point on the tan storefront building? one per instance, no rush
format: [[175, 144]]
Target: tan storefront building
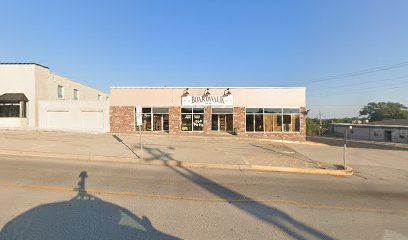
[[277, 113]]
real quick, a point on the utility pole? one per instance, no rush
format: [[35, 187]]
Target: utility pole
[[320, 127]]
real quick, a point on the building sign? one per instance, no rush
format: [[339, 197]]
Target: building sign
[[139, 116], [208, 100]]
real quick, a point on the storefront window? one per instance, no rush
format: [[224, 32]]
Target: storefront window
[[287, 122], [250, 123], [155, 119], [254, 119], [277, 123], [259, 123], [272, 120], [268, 119], [291, 120], [186, 122], [192, 119], [147, 119]]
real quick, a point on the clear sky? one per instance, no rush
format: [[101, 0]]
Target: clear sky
[[220, 43]]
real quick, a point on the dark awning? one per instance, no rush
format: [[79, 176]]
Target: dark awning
[[13, 98]]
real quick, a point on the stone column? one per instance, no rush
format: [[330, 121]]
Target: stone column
[[207, 119], [174, 120], [122, 118], [239, 119]]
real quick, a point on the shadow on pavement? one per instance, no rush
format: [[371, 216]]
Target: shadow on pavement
[[338, 142], [270, 215], [276, 218], [121, 141], [83, 217]]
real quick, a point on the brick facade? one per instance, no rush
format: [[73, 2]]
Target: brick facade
[[122, 118], [239, 119], [207, 119], [174, 120]]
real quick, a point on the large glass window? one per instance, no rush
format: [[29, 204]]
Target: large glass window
[[250, 123], [259, 123], [10, 110], [290, 118], [192, 119], [268, 120], [272, 120], [155, 119]]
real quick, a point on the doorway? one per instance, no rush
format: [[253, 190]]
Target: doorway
[[160, 122], [387, 136], [222, 119], [222, 122]]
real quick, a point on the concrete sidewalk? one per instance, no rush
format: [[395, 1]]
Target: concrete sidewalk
[[214, 151]]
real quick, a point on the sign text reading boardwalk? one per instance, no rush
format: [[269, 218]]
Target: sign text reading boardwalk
[[210, 100]]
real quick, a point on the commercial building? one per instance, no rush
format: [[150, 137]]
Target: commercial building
[[382, 131], [277, 113], [32, 97]]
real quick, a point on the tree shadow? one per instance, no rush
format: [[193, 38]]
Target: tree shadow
[[83, 217]]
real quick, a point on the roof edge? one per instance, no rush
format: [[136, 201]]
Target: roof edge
[[207, 87], [5, 63]]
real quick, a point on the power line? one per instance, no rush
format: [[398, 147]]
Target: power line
[[356, 73], [364, 91], [367, 88], [359, 83]]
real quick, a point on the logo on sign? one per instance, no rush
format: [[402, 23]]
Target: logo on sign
[[210, 100]]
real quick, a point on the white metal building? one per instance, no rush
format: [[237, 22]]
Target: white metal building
[[33, 97], [381, 131]]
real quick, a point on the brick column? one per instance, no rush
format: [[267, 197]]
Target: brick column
[[174, 120], [239, 119], [207, 119], [303, 117], [122, 118]]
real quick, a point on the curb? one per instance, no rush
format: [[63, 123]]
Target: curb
[[175, 163]]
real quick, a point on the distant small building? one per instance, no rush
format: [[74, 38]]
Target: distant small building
[[395, 130], [33, 97]]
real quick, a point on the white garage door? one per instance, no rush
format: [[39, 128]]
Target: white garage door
[[74, 115], [59, 119]]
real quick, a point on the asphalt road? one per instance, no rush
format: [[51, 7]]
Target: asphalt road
[[61, 199]]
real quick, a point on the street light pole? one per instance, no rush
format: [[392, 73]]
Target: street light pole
[[345, 148]]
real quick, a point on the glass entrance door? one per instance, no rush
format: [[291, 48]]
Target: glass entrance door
[[222, 122]]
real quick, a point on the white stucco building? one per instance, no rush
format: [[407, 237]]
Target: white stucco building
[[33, 97]]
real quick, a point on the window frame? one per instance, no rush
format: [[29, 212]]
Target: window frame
[[62, 96], [218, 116], [76, 94], [151, 114], [192, 113], [20, 110], [278, 115]]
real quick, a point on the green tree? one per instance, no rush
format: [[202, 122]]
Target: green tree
[[312, 127], [384, 110]]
